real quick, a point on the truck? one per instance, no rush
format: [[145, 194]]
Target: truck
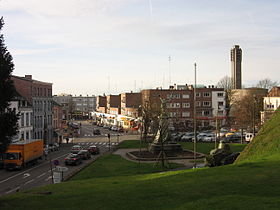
[[22, 153]]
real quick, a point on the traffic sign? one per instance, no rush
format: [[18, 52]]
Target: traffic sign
[[56, 162], [61, 169], [57, 177]]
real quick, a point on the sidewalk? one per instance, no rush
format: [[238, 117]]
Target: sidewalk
[[188, 163]]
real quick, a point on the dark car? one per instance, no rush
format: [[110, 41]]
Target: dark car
[[96, 132], [84, 154], [94, 150], [73, 159]]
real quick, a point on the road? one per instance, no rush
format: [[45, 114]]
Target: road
[[41, 174]]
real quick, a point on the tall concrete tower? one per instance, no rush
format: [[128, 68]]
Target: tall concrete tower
[[236, 58]]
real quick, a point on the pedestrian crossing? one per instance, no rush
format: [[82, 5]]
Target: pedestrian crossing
[[111, 134], [106, 144]]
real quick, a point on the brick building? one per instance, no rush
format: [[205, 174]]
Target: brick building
[[210, 104], [130, 103], [39, 95], [57, 121], [101, 104], [113, 104]]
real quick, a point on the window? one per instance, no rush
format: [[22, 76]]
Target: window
[[185, 96], [173, 114], [220, 103], [197, 94], [173, 95], [206, 94], [220, 94], [186, 114], [197, 103], [22, 119], [27, 119], [220, 112], [27, 135], [206, 103], [206, 113], [185, 105]]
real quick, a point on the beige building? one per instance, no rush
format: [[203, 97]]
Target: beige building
[[270, 104]]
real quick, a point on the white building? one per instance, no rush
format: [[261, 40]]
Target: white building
[[219, 105], [25, 127]]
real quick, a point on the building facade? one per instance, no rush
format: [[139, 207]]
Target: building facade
[[25, 127], [84, 105], [57, 122], [130, 103], [236, 59], [39, 95], [68, 107], [101, 104], [113, 104], [270, 104]]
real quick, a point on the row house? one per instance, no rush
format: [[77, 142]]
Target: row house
[[113, 104], [57, 122], [39, 95], [270, 104], [130, 103], [101, 104], [25, 111]]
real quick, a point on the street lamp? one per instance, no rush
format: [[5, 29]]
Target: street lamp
[[194, 117]]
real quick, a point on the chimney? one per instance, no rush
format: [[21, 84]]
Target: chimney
[[28, 77]]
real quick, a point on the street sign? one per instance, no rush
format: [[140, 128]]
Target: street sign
[[57, 177], [56, 162], [61, 169]]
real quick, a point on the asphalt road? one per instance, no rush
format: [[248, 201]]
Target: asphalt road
[[41, 173]]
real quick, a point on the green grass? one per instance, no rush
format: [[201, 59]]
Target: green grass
[[204, 148], [266, 143], [115, 165], [252, 183], [128, 144], [244, 186]]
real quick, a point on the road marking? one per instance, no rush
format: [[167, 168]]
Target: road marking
[[26, 175], [11, 190], [28, 181], [41, 175], [47, 179], [2, 181]]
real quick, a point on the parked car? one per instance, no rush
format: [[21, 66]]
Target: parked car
[[201, 136], [76, 148], [84, 154], [94, 150], [114, 128], [209, 137], [187, 137], [96, 132], [73, 159], [233, 138], [120, 129]]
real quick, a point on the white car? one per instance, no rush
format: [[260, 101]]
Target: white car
[[210, 137]]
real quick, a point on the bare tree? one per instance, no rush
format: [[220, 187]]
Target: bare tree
[[226, 84], [267, 83]]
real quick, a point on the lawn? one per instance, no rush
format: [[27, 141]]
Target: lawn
[[247, 186], [115, 165], [201, 147]]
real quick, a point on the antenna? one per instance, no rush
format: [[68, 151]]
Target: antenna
[[169, 65], [108, 85]]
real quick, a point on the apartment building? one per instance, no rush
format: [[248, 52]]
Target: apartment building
[[113, 104], [39, 95], [130, 103], [101, 104], [68, 107], [210, 104]]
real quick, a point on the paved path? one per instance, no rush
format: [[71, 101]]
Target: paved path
[[188, 163]]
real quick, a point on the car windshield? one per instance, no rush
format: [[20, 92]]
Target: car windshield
[[11, 156]]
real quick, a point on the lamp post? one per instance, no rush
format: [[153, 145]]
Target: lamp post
[[194, 117]]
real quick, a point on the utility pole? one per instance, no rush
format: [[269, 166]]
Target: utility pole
[[194, 118]]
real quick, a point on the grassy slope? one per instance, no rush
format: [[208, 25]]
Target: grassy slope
[[266, 143], [246, 185]]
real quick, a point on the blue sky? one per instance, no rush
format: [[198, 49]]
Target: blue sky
[[101, 46]]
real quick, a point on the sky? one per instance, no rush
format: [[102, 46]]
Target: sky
[[91, 47]]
